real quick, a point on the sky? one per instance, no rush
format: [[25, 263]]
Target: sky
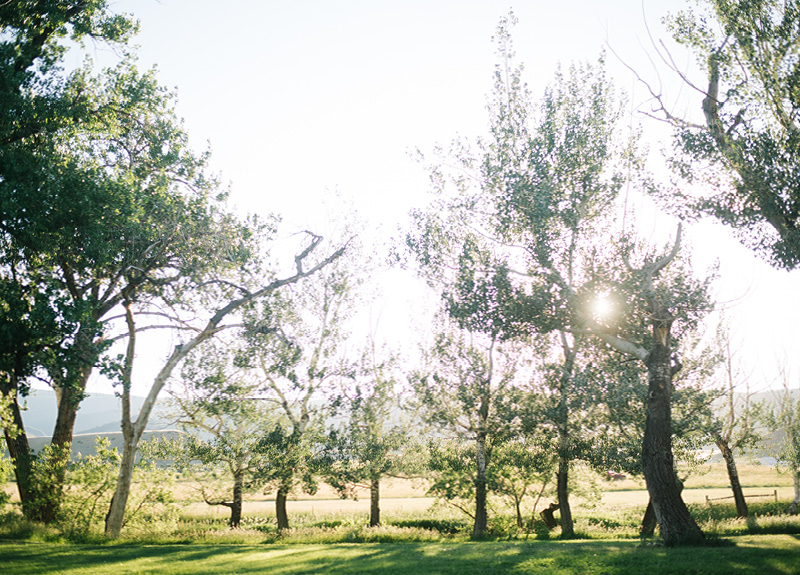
[[308, 104]]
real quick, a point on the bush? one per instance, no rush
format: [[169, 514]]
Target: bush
[[444, 526]]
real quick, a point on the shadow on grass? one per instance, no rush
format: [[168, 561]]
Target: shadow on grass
[[763, 555]]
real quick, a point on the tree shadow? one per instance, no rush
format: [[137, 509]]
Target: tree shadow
[[484, 558]]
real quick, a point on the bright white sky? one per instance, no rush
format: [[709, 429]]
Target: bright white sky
[[302, 98]]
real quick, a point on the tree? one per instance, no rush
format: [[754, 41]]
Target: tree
[[101, 202], [518, 465], [218, 405], [734, 430], [663, 303], [535, 197], [296, 346], [784, 417], [466, 388], [750, 132], [369, 444], [226, 309], [617, 441]]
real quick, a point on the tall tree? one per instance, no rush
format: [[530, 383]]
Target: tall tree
[[218, 405], [368, 445], [748, 51], [617, 441], [466, 389], [661, 303], [535, 196], [230, 300], [297, 345], [101, 201], [734, 428]]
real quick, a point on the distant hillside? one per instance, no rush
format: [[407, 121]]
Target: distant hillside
[[98, 413], [84, 443]]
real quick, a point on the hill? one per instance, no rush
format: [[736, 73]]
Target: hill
[[98, 413]]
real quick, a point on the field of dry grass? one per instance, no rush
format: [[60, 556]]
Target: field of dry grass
[[404, 496]]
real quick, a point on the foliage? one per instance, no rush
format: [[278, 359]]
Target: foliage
[[519, 225], [217, 404], [296, 346], [783, 417], [89, 483], [370, 442], [102, 202], [748, 51], [467, 383]]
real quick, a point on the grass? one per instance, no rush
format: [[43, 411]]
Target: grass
[[331, 536], [749, 554]]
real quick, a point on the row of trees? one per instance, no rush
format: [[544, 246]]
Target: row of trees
[[562, 335], [110, 227]]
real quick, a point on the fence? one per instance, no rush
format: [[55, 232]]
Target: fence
[[773, 494]]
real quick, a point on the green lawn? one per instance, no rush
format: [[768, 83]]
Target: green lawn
[[758, 555]]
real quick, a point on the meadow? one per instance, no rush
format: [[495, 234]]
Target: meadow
[[420, 535]]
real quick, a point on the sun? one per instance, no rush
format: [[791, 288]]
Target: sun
[[603, 306]]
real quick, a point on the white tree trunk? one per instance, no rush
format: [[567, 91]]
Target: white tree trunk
[[116, 511]]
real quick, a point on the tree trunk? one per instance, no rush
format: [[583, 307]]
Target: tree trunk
[[648, 527], [115, 519], [733, 476], [479, 528], [236, 505], [374, 501], [518, 510], [796, 502], [676, 523], [69, 397], [547, 516], [20, 452], [562, 475], [280, 509], [562, 488]]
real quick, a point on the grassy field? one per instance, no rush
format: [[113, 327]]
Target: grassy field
[[759, 555], [329, 535]]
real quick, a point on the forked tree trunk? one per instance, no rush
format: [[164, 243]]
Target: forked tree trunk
[[374, 501], [648, 527], [733, 476], [481, 520], [280, 508], [674, 520]]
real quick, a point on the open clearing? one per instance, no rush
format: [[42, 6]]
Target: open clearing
[[761, 555]]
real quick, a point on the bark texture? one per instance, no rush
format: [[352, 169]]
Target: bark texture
[[374, 502], [481, 520], [236, 504], [564, 455], [20, 452], [280, 509], [649, 523], [115, 519], [562, 487], [674, 520]]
